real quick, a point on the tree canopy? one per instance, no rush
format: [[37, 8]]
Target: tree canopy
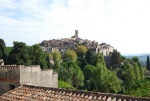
[[82, 70], [116, 57], [2, 49], [81, 51], [19, 54], [38, 56], [148, 63], [56, 57], [70, 55]]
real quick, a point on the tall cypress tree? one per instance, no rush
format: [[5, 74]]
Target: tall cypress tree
[[2, 49], [147, 63]]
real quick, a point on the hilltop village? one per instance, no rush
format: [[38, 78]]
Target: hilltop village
[[70, 69], [72, 43]]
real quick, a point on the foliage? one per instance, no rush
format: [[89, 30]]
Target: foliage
[[147, 63], [111, 83], [131, 73], [89, 57], [38, 57], [136, 60], [19, 54], [70, 55], [81, 51], [78, 77], [65, 85], [106, 80], [8, 49], [2, 50], [70, 72], [100, 77], [140, 88], [82, 63], [88, 72], [116, 57], [56, 56]]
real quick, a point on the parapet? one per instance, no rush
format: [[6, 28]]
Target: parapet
[[8, 67]]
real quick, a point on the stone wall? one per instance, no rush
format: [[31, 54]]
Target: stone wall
[[9, 77], [12, 76], [6, 86], [33, 75], [11, 72]]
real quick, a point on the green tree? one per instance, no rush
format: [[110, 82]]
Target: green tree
[[141, 70], [111, 83], [136, 72], [19, 54], [81, 51], [78, 76], [38, 56], [89, 57], [129, 76], [56, 56], [116, 57], [8, 49], [70, 72], [147, 63], [2, 50], [104, 79], [70, 55], [88, 71], [136, 60], [138, 89], [89, 83], [132, 73], [65, 85]]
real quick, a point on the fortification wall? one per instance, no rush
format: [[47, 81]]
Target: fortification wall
[[33, 75], [6, 86], [11, 72], [9, 77]]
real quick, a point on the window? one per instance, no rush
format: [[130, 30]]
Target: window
[[12, 87]]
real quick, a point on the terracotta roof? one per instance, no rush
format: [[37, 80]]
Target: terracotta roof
[[34, 93]]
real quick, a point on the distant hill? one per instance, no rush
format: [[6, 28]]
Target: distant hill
[[142, 57]]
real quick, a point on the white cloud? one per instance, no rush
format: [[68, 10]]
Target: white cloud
[[121, 23]]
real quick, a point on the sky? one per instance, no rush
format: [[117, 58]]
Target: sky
[[124, 24]]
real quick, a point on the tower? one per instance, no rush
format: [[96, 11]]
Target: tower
[[76, 34]]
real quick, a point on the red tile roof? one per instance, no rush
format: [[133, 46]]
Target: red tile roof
[[34, 93]]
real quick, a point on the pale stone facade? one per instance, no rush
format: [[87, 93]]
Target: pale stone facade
[[72, 43], [12, 76]]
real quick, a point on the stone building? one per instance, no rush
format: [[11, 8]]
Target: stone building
[[60, 45], [104, 49], [12, 76], [71, 43], [76, 35]]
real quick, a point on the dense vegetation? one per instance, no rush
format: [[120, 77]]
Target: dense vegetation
[[81, 69], [21, 54]]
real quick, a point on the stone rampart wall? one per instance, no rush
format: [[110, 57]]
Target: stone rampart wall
[[11, 72], [33, 75]]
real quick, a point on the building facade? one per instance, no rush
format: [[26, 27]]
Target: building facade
[[72, 43], [12, 76]]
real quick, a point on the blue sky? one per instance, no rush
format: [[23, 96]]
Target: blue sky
[[123, 24]]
